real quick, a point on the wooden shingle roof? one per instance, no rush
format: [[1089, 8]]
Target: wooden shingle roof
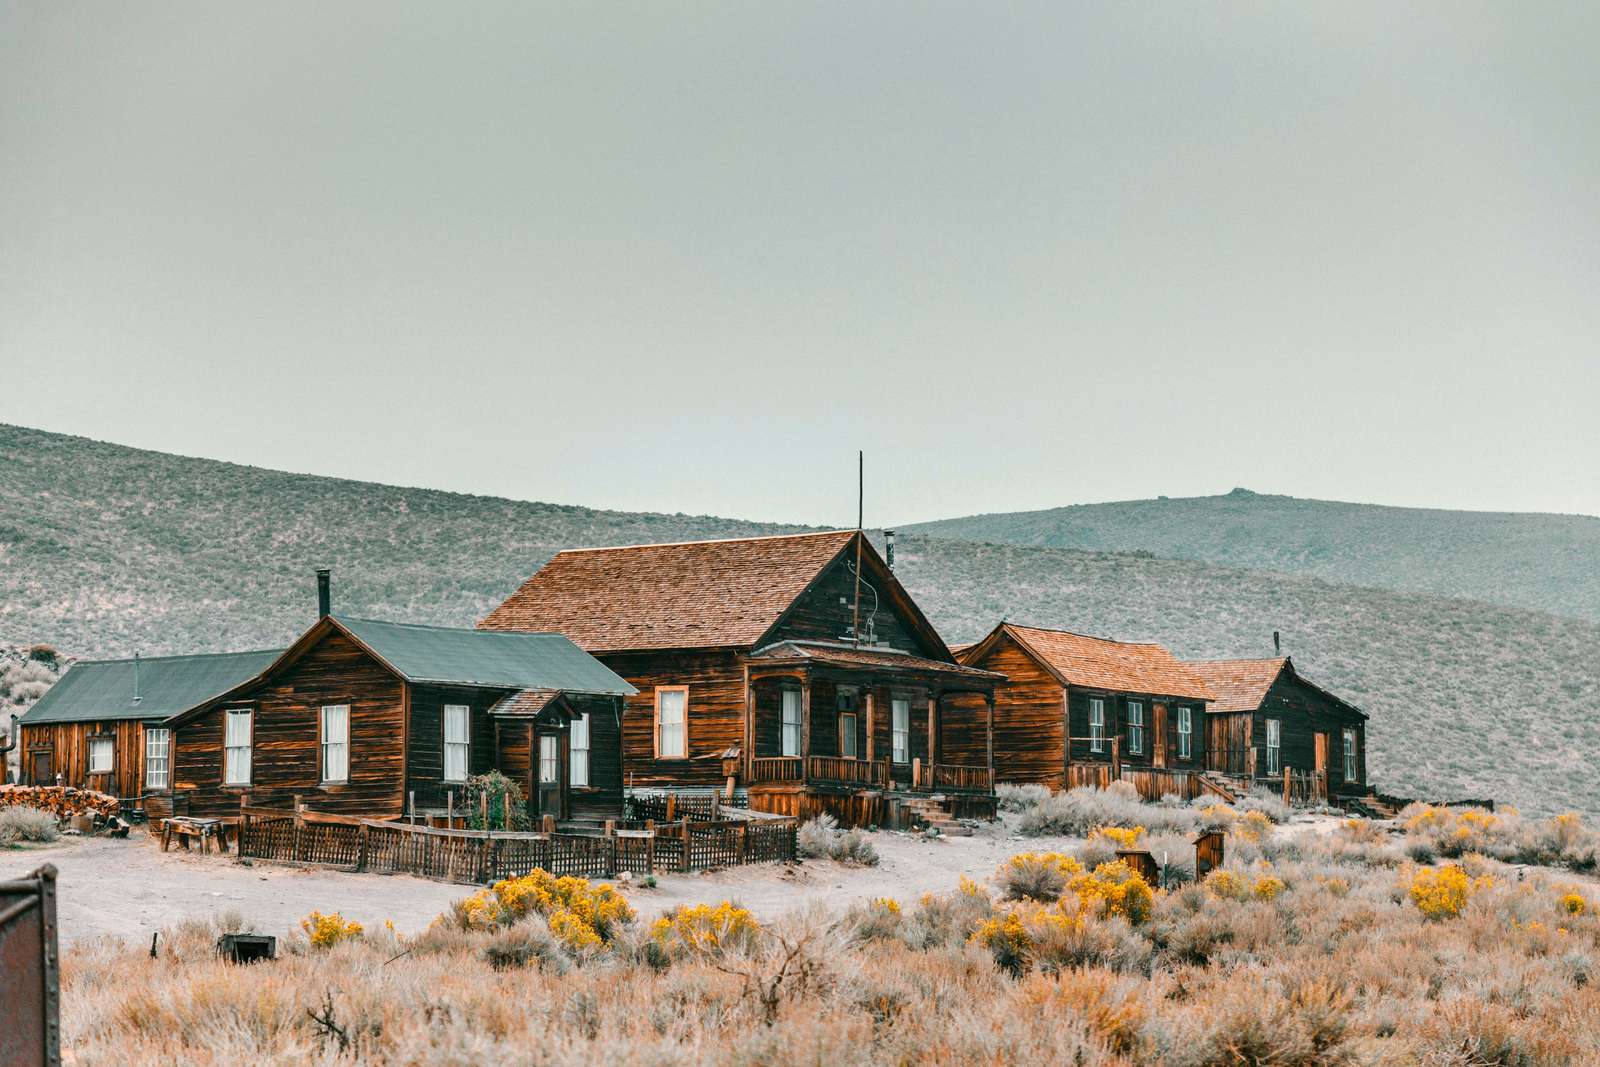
[[1240, 684], [697, 594], [1101, 663]]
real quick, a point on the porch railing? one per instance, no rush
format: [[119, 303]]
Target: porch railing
[[951, 778], [873, 774]]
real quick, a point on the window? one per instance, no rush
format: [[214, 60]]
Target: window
[[672, 722], [579, 743], [1135, 727], [847, 735], [336, 742], [790, 741], [236, 738], [549, 760], [1185, 732], [900, 729], [157, 747], [1351, 772], [457, 742], [1097, 725], [1274, 746], [100, 751]]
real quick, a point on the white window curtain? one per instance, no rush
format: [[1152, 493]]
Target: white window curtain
[[157, 749], [336, 743], [1097, 725], [236, 741], [1135, 727], [900, 729], [791, 722], [549, 760], [672, 740], [1274, 734], [1185, 732], [100, 753], [579, 743], [457, 742], [847, 736], [1351, 774]]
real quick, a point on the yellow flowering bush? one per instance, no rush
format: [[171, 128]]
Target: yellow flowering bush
[[1226, 884], [1006, 938], [325, 931], [1442, 892], [1267, 887], [887, 905], [703, 930], [1114, 889], [1120, 836], [581, 915], [1041, 876], [1574, 903]]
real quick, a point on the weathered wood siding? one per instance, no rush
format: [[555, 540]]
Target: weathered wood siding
[[715, 678], [1304, 712], [1029, 717], [287, 734], [1116, 724], [514, 748], [425, 756], [1228, 741], [603, 797], [817, 614], [68, 745]]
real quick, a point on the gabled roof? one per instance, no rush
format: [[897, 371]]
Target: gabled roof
[[696, 594], [442, 655], [1100, 663], [93, 690], [1242, 684]]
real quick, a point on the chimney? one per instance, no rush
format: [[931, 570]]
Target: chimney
[[136, 696], [324, 593], [888, 548], [1277, 643]]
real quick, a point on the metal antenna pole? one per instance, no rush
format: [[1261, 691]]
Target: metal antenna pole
[[861, 497]]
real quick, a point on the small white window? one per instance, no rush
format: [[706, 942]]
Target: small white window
[[237, 735], [900, 729], [157, 753], [549, 760], [847, 735], [336, 743], [457, 742], [1135, 727], [790, 740], [1351, 771], [672, 722], [1097, 725], [100, 753], [579, 743], [1274, 746], [1185, 732]]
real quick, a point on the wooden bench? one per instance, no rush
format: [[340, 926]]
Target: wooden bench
[[204, 831]]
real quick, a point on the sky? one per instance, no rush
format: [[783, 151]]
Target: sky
[[691, 257]]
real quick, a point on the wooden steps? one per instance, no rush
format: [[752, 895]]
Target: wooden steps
[[1371, 807], [934, 811]]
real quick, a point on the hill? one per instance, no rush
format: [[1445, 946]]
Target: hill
[[106, 550], [1544, 562]]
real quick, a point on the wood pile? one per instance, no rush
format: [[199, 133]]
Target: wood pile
[[58, 800]]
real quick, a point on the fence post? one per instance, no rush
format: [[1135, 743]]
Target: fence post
[[650, 847], [744, 841], [716, 807], [361, 847], [611, 849], [548, 823], [684, 830], [672, 806], [916, 772], [244, 824], [449, 809], [299, 822], [411, 806], [1287, 798]]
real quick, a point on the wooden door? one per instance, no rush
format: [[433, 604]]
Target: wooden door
[[1322, 763], [1158, 723], [41, 769], [549, 774]]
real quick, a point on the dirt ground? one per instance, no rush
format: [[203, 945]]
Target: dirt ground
[[130, 889]]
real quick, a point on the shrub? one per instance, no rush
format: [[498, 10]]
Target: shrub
[[820, 838], [493, 793], [1574, 903], [1267, 887], [523, 944], [1041, 876], [26, 824], [1018, 798], [1121, 836], [326, 931], [878, 919], [1442, 893], [579, 915], [703, 930], [1114, 889], [1226, 884], [1079, 811]]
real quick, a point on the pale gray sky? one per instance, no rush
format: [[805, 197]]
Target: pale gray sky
[[690, 257]]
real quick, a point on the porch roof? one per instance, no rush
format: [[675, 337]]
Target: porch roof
[[526, 703], [827, 653]]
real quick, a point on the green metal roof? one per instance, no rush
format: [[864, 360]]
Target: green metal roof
[[490, 658], [96, 690]]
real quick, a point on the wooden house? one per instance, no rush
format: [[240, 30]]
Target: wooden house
[[100, 726], [1267, 719], [1076, 710], [755, 669], [382, 719]]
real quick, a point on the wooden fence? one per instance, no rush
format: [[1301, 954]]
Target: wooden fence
[[1152, 782], [479, 856]]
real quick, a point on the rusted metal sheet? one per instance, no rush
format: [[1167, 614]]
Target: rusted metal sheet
[[30, 975]]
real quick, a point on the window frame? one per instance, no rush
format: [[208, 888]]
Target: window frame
[[92, 742], [896, 703], [150, 733], [1185, 732], [553, 743], [323, 743], [1352, 764], [445, 744], [661, 691], [573, 750], [229, 715], [1136, 728], [848, 733], [1274, 746], [785, 726], [1097, 725]]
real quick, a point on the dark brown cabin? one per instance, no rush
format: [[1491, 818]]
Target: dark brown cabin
[[382, 719], [1078, 710], [1267, 718], [100, 726], [755, 670]]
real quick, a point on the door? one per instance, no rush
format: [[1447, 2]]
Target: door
[[550, 775], [1322, 764], [1158, 749], [41, 768]]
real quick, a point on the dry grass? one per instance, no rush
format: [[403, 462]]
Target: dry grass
[[1312, 951]]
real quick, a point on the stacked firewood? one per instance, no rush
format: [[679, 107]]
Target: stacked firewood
[[58, 800]]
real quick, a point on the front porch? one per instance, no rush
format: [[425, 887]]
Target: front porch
[[855, 731]]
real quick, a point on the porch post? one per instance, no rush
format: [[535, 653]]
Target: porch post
[[933, 726], [805, 722], [872, 748], [989, 728], [748, 748]]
